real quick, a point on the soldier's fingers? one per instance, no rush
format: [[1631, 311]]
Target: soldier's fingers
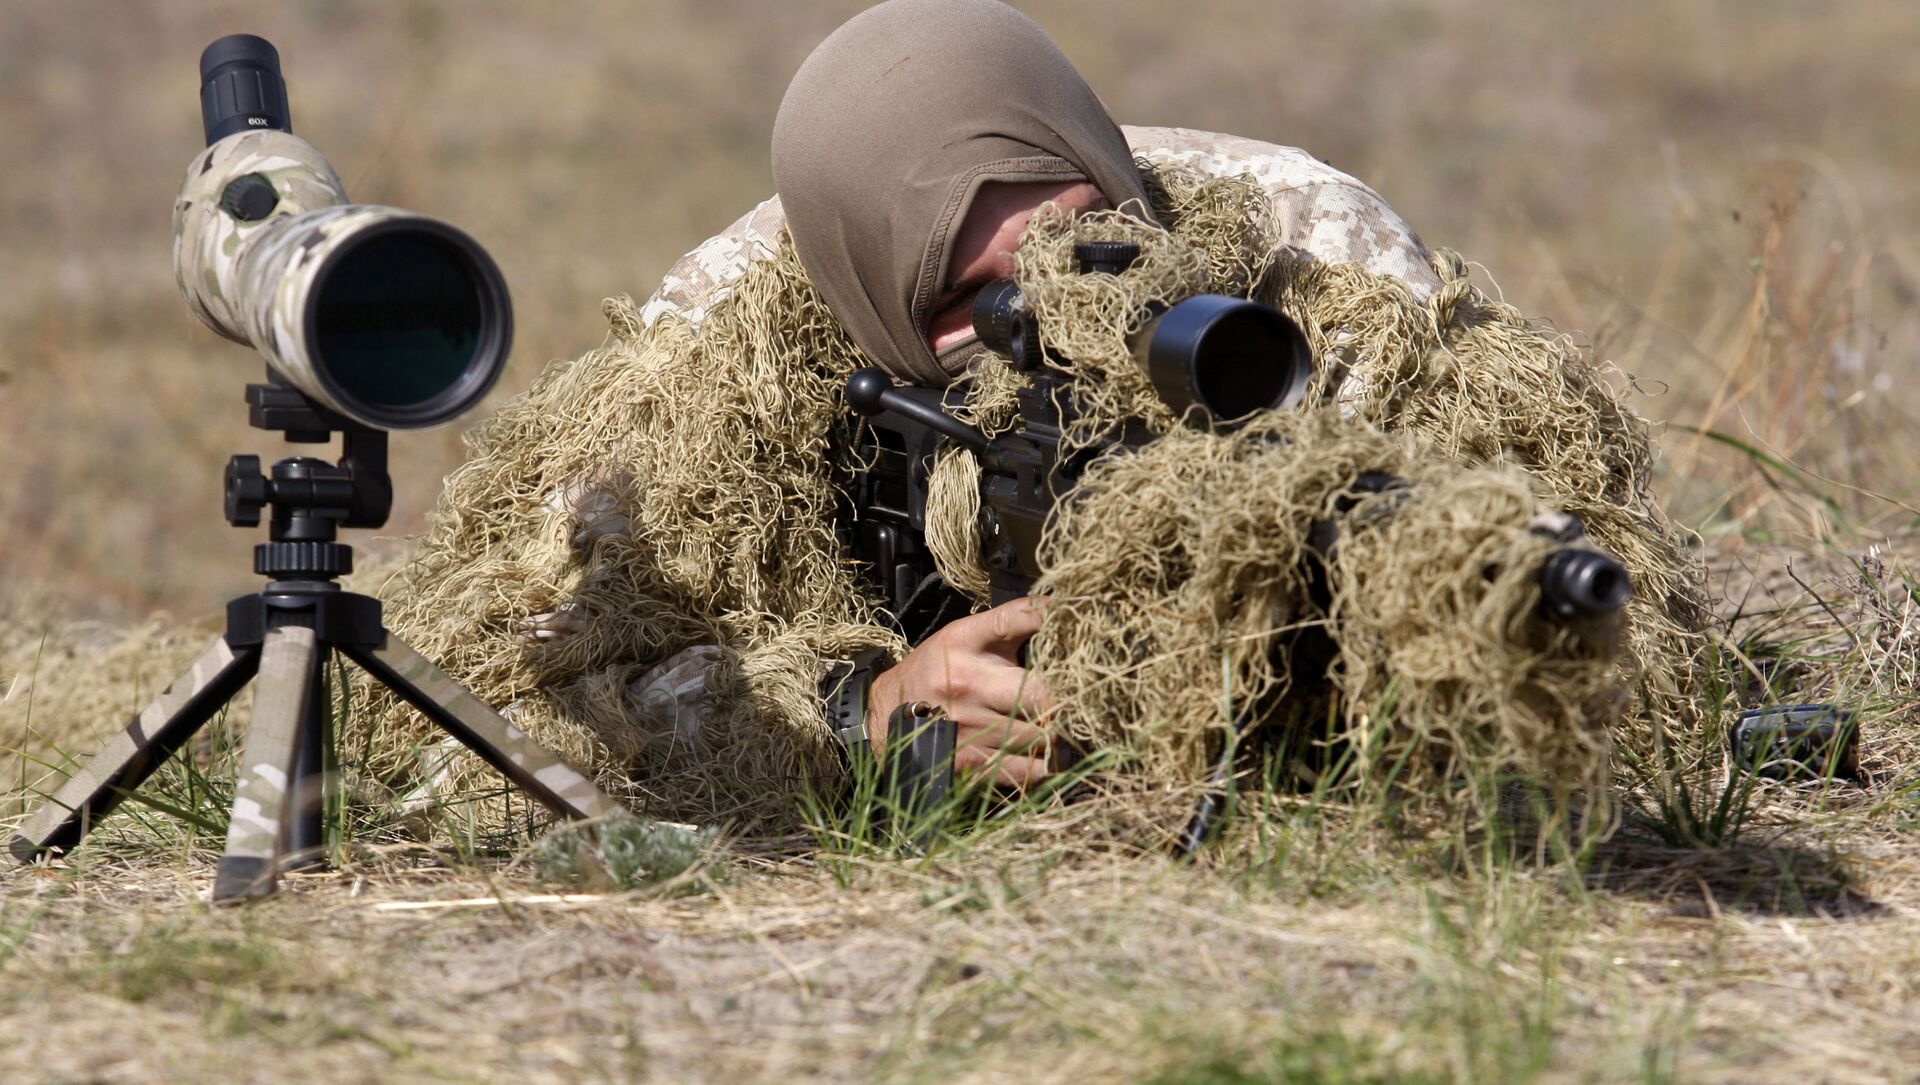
[[1015, 691], [1009, 770], [990, 730], [1001, 630], [1014, 623]]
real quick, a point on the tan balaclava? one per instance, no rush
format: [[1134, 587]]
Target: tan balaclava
[[891, 127]]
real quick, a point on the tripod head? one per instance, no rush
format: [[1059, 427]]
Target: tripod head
[[309, 498]]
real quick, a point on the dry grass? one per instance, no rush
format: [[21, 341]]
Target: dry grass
[[1718, 195], [1009, 963]]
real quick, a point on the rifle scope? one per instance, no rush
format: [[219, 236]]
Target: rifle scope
[[392, 319], [1231, 357]]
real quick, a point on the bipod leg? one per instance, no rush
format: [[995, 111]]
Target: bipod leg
[[160, 729], [535, 769], [263, 792]]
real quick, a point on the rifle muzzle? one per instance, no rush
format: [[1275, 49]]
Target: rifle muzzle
[[1578, 583]]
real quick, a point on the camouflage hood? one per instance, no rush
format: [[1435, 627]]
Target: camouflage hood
[[889, 130]]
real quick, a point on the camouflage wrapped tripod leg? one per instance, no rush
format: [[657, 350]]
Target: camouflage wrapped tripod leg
[[263, 798], [536, 770], [162, 727]]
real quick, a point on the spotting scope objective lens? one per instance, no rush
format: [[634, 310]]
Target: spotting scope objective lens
[[241, 88]]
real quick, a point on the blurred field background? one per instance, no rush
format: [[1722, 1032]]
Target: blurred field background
[[1718, 196]]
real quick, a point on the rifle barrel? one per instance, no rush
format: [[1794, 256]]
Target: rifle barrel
[[1579, 583]]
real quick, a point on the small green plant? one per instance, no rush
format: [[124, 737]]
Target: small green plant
[[621, 853], [1327, 1057], [861, 814]]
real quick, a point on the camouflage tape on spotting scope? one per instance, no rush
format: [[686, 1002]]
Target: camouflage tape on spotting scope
[[263, 790], [208, 242], [250, 281]]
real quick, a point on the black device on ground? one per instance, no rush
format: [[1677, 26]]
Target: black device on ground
[[917, 773], [286, 633], [1797, 742]]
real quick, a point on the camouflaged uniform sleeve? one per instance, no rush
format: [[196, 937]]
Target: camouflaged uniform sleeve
[[702, 277], [1316, 209]]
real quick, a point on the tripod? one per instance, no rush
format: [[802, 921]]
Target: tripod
[[285, 636]]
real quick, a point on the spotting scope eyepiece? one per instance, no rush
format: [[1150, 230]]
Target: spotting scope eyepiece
[[1001, 322], [392, 319], [241, 89]]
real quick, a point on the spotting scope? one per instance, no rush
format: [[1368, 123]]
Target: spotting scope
[[370, 319], [389, 318]]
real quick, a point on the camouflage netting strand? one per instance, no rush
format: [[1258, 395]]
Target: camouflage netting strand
[[639, 560]]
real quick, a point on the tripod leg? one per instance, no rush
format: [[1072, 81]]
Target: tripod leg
[[557, 785], [151, 737], [263, 790], [313, 779]]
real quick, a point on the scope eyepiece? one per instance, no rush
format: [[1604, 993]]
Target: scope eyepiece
[[240, 87], [1001, 322]]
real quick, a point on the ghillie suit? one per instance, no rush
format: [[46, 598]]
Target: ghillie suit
[[1479, 384], [1246, 586], [640, 560]]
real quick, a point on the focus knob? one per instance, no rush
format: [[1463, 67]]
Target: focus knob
[[1111, 257], [246, 491], [249, 198]]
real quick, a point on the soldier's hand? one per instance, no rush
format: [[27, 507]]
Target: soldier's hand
[[970, 670]]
